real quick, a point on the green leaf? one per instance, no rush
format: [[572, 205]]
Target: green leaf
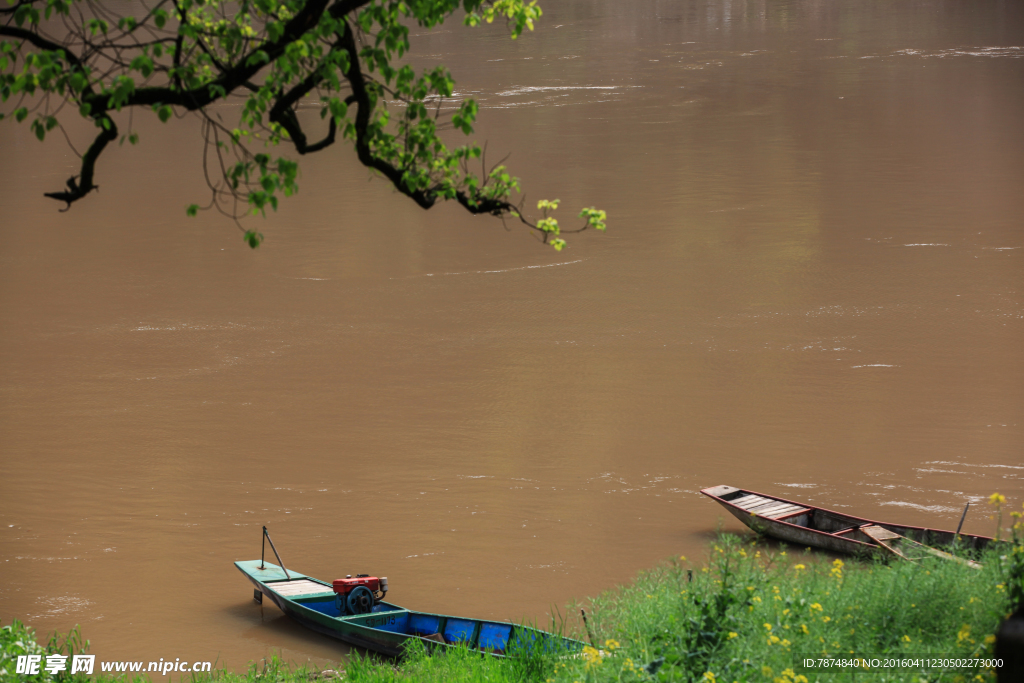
[[26, 12], [253, 238], [20, 114], [143, 64], [595, 218], [192, 209], [258, 57], [97, 26], [77, 81], [164, 111]]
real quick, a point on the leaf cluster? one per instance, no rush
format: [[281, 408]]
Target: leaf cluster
[[273, 58]]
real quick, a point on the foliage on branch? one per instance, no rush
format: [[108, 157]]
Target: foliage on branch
[[271, 56]]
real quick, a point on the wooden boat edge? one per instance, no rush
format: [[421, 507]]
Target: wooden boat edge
[[786, 530]]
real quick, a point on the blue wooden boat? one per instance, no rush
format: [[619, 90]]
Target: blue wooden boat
[[353, 610]]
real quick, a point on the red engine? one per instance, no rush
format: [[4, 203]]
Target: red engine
[[359, 595], [345, 586]]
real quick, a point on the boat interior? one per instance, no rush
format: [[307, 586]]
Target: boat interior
[[834, 523], [489, 636]]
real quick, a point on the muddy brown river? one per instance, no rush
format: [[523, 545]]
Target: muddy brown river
[[811, 286]]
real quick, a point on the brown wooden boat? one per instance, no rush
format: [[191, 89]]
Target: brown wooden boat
[[807, 525]]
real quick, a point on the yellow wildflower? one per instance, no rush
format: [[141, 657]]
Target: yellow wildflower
[[799, 567], [906, 639], [816, 606], [611, 644], [996, 499], [732, 634], [803, 627], [768, 626], [592, 655], [709, 676]]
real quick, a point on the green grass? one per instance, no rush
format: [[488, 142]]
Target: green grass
[[748, 612]]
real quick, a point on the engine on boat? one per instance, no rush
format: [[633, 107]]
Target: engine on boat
[[359, 594]]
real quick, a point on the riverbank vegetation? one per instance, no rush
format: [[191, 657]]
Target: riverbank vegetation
[[748, 612]]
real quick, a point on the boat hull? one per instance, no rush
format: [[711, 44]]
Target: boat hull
[[811, 526], [388, 629]]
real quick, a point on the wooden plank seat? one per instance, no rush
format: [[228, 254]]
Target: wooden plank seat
[[294, 588], [772, 510], [768, 507], [750, 500], [790, 511]]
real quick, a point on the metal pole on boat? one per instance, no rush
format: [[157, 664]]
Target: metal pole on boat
[[961, 524], [590, 635], [266, 535], [263, 548]]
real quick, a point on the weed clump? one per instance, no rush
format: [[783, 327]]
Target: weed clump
[[753, 614]]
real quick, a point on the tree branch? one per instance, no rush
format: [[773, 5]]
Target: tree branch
[[283, 114], [77, 190]]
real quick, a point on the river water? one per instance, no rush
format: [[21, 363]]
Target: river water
[[811, 286]]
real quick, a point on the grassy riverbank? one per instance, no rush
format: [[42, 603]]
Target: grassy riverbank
[[747, 612]]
